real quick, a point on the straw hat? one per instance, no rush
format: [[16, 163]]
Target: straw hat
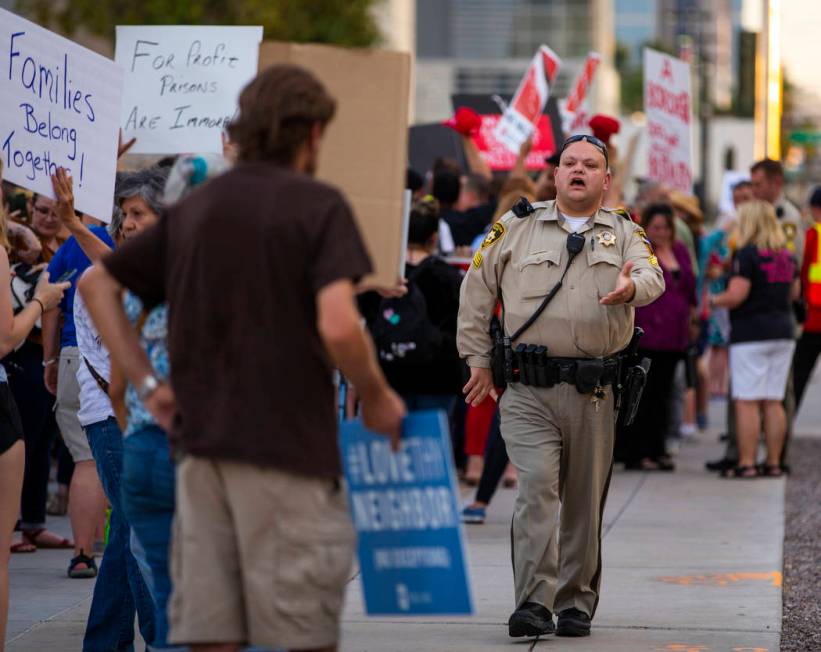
[[686, 204]]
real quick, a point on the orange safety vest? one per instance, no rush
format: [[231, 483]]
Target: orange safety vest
[[814, 289]]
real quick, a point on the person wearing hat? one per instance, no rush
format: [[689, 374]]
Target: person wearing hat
[[689, 219], [592, 267], [809, 344]]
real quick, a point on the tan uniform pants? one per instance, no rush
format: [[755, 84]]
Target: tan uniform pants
[[563, 449]]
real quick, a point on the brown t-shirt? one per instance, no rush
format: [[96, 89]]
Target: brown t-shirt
[[240, 262]]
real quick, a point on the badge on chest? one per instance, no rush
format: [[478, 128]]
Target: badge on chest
[[606, 238]]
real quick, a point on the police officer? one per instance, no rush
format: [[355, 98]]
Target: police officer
[[558, 433]]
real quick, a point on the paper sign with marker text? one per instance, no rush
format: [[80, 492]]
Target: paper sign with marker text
[[522, 114], [182, 84], [60, 108], [667, 105], [410, 542]]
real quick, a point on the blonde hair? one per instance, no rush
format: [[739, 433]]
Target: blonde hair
[[4, 233], [758, 226]]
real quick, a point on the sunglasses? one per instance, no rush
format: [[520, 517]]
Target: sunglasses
[[597, 143]]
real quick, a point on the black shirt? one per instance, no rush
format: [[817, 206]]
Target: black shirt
[[240, 262], [466, 225], [439, 283], [766, 314]]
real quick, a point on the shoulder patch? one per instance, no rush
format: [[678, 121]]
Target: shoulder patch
[[496, 233], [643, 237]]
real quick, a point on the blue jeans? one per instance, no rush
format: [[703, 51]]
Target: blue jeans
[[120, 589], [148, 501]]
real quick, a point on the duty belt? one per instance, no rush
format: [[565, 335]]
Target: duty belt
[[532, 366]]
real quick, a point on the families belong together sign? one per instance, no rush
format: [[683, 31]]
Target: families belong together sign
[[182, 84], [61, 108]]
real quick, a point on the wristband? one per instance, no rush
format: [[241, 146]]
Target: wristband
[[46, 363], [42, 307]]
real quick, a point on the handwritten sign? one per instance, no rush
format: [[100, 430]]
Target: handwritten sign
[[182, 84], [667, 105], [60, 107], [410, 542], [499, 157], [522, 115]]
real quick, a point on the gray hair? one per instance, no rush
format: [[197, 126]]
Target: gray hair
[[147, 184], [117, 219]]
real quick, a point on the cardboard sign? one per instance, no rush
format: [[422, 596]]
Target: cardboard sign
[[546, 138], [364, 149], [182, 84], [521, 116], [668, 107], [60, 108], [404, 508]]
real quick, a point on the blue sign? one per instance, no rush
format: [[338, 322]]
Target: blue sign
[[405, 510]]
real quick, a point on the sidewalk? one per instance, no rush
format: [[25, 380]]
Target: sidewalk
[[691, 563]]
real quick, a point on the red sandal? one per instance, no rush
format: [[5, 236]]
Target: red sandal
[[30, 536]]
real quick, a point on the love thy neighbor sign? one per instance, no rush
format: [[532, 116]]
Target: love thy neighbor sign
[[59, 107], [182, 84]]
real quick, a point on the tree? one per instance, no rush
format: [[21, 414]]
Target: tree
[[346, 22]]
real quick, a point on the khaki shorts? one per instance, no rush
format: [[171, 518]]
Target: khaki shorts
[[259, 556], [68, 405]]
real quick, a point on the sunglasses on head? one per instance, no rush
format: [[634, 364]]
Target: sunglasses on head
[[596, 142]]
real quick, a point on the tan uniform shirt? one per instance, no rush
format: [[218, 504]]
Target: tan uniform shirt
[[523, 258]]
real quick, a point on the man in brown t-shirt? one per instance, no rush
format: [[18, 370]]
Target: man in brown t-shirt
[[258, 267]]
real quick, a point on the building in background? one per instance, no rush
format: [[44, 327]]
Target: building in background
[[484, 46], [712, 27]]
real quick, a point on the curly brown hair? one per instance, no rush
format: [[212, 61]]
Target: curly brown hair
[[277, 111]]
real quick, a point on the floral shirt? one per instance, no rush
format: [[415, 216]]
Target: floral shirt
[[154, 338]]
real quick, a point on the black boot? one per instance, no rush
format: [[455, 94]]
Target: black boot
[[572, 622], [531, 619]]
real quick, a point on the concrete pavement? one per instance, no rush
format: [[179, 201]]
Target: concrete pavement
[[692, 563]]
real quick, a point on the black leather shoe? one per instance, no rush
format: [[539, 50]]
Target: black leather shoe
[[531, 619], [572, 622]]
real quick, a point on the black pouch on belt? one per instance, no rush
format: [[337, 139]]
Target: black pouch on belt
[[540, 366], [521, 359], [530, 363], [588, 375], [497, 357]]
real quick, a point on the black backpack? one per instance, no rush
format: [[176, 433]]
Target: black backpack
[[402, 330]]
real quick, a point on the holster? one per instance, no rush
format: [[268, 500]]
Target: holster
[[500, 354], [632, 388]]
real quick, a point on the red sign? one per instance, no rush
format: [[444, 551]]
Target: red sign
[[499, 157]]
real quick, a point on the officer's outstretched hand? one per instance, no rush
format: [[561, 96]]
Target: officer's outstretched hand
[[479, 386], [625, 288]]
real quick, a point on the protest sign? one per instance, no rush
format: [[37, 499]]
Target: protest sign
[[573, 107], [182, 83], [522, 114], [364, 148], [667, 106], [404, 508], [60, 108], [546, 138]]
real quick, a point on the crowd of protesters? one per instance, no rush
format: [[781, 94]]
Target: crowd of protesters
[[183, 288]]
